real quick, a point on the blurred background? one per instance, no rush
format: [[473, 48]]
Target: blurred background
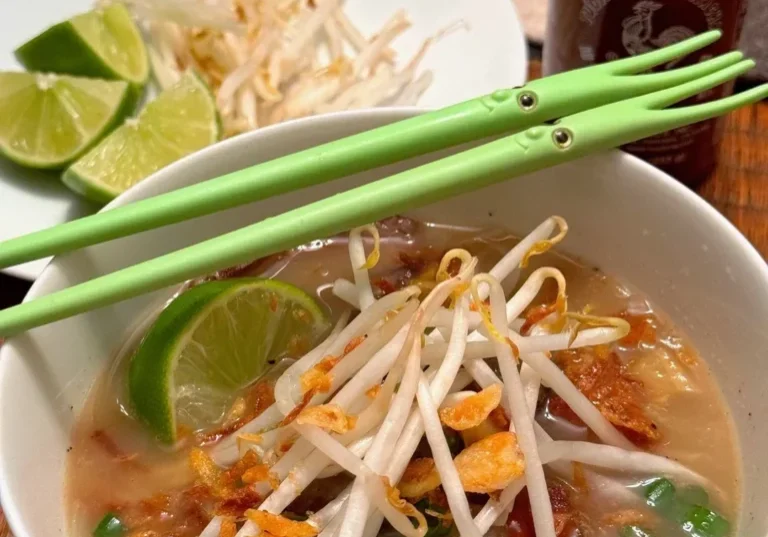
[[753, 41]]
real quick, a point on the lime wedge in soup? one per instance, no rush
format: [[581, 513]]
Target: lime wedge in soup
[[210, 343], [103, 43], [47, 121], [181, 120]]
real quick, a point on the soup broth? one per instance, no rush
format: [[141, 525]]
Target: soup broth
[[116, 466]]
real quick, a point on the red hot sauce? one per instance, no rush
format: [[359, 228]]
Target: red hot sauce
[[583, 32]]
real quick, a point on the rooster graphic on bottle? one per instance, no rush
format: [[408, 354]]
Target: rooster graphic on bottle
[[638, 33], [650, 24], [583, 32]]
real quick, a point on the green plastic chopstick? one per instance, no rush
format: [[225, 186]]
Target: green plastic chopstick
[[535, 148], [502, 112]]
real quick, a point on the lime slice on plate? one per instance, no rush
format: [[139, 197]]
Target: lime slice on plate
[[180, 121], [210, 343], [47, 121], [103, 43]]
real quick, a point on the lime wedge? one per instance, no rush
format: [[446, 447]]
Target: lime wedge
[[180, 121], [47, 121], [213, 341], [103, 43]]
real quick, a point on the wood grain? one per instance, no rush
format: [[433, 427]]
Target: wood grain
[[739, 186]]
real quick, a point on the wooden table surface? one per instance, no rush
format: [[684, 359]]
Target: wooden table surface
[[738, 188]]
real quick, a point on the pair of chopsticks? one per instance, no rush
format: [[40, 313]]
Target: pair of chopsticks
[[596, 108]]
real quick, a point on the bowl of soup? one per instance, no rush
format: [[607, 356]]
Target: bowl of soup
[[574, 352]]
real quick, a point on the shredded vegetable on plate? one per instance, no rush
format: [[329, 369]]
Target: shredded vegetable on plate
[[272, 60]]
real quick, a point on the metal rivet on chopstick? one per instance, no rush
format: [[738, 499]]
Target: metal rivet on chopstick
[[527, 100], [563, 138]]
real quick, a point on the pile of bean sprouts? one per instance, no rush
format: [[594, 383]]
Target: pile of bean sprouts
[[421, 355], [272, 60]]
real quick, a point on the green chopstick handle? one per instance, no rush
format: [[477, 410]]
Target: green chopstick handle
[[536, 148], [502, 112]]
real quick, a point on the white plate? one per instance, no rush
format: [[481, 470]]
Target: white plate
[[490, 54]]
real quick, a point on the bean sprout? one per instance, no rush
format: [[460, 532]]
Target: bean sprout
[[387, 378], [272, 61]]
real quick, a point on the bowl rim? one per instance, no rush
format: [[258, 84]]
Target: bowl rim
[[661, 178], [658, 178]]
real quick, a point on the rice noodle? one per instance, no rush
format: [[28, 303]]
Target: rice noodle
[[620, 460], [552, 376], [608, 457]]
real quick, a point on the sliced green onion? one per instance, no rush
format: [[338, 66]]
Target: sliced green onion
[[661, 495], [436, 527], [634, 531], [110, 526], [455, 443], [703, 522], [687, 507]]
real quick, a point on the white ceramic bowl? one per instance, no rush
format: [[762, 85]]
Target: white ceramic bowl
[[626, 217]]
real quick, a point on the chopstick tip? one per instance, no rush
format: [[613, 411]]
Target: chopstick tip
[[747, 64]]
